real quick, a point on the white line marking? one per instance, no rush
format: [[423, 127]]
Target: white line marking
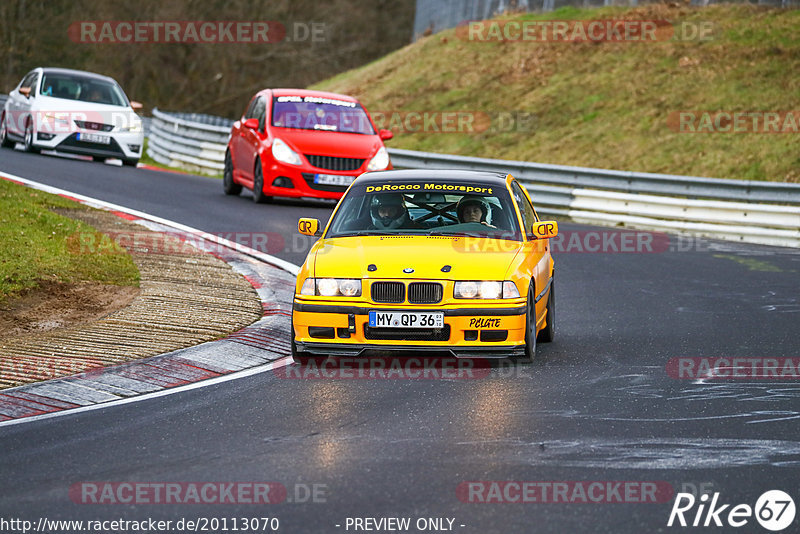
[[282, 362]]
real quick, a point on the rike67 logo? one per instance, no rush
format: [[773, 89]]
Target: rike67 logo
[[774, 510]]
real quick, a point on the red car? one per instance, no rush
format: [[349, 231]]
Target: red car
[[300, 143]]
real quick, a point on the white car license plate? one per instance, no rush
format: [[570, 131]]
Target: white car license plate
[[385, 319], [333, 179], [94, 138]]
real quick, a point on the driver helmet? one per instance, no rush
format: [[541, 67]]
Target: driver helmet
[[388, 211], [472, 201]]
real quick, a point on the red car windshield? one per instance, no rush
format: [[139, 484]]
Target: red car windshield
[[320, 113]]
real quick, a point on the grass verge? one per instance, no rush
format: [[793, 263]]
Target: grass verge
[[603, 104], [37, 244]]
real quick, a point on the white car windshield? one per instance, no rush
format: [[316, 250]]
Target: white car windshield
[[82, 88]]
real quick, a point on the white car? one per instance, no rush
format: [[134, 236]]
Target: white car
[[72, 111]]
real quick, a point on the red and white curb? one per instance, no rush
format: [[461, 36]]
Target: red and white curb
[[255, 349]]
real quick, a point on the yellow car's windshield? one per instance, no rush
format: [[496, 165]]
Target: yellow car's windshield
[[426, 208]]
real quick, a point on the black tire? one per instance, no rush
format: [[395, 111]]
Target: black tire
[[133, 162], [301, 358], [258, 184], [530, 328], [101, 159], [228, 185], [5, 142], [548, 333], [28, 142]]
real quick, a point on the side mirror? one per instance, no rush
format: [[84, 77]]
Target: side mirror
[[136, 106], [251, 123], [385, 135], [309, 227], [25, 91], [545, 229]]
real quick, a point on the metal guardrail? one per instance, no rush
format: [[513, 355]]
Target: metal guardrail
[[748, 211], [622, 181], [191, 141]]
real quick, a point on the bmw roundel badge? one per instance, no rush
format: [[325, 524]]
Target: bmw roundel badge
[[408, 270]]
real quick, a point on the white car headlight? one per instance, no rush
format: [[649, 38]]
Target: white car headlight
[[308, 287], [282, 152], [332, 287], [135, 127], [485, 289], [58, 118], [466, 290], [379, 161]]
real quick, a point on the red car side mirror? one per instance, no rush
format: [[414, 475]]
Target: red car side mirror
[[251, 123], [385, 135]]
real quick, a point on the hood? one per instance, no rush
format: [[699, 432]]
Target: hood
[[325, 143], [49, 103], [468, 258], [47, 107]]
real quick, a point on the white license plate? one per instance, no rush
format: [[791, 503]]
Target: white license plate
[[94, 138], [333, 179], [385, 319]]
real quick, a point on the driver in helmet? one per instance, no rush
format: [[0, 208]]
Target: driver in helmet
[[472, 209], [389, 211]]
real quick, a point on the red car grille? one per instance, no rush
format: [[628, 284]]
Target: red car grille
[[333, 163], [86, 125]]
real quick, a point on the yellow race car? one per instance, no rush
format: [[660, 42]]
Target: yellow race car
[[414, 260]]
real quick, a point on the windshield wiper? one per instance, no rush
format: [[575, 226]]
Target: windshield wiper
[[455, 233], [354, 234]]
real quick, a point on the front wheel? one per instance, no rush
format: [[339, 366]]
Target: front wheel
[[530, 328], [548, 333], [299, 357], [29, 139], [228, 185], [258, 185], [5, 142], [133, 162]]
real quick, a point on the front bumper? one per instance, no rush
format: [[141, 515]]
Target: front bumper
[[278, 177], [121, 145], [486, 332]]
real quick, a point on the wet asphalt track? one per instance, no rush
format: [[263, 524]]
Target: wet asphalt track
[[599, 406]]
